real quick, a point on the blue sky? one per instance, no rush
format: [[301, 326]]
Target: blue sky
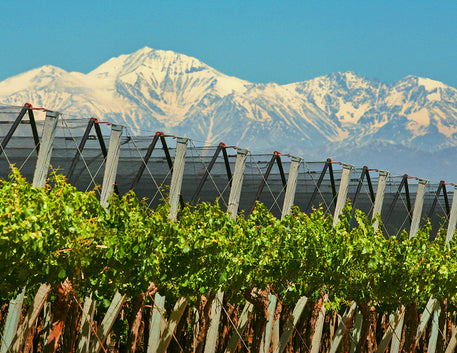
[[260, 41]]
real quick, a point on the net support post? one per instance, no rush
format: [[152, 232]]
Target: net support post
[[112, 160], [44, 157], [379, 199], [213, 330], [177, 176], [291, 187], [342, 192], [80, 149], [13, 128], [452, 217], [237, 182], [418, 205]]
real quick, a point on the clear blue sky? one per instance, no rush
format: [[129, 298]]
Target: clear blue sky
[[260, 41]]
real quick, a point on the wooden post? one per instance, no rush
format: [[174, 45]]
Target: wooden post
[[237, 182], [44, 157], [290, 325], [342, 192], [108, 321], [213, 330], [453, 342], [30, 319], [234, 201], [379, 200], [318, 329], [39, 180], [112, 159], [435, 330], [452, 217], [425, 317], [341, 328], [418, 204], [233, 342], [85, 330], [12, 321], [173, 321], [396, 338], [356, 331], [393, 321], [266, 337], [176, 177], [157, 323], [291, 186]]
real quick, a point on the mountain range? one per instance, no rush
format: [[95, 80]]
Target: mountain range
[[409, 126]]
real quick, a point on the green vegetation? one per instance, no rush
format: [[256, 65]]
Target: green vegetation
[[57, 232], [62, 237]]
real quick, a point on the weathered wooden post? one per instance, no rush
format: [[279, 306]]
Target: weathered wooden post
[[342, 192], [266, 337], [177, 176], [233, 204], [85, 330], [157, 323], [291, 186], [237, 182], [108, 322], [44, 157], [418, 205], [213, 329], [452, 217], [12, 321], [379, 199], [39, 180], [112, 159]]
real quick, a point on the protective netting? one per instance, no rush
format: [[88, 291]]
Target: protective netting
[[208, 171]]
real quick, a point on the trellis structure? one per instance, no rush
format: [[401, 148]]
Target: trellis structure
[[236, 177], [145, 164]]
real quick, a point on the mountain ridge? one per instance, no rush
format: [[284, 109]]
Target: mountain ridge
[[151, 90]]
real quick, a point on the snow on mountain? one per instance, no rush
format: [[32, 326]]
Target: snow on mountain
[[152, 90]]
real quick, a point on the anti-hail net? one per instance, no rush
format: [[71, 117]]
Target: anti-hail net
[[264, 177]]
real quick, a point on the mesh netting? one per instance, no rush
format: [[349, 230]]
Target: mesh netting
[[208, 171]]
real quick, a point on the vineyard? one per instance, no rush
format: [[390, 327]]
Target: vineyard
[[94, 265]]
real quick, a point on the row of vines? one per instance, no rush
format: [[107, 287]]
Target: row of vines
[[59, 236]]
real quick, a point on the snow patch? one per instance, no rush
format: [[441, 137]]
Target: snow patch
[[429, 84], [349, 114]]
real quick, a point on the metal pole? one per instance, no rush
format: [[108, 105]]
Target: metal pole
[[13, 128], [291, 186], [177, 176], [227, 165], [145, 160], [112, 159], [264, 180], [359, 187], [167, 152], [403, 182], [36, 138], [237, 182], [100, 139], [281, 169], [207, 171], [319, 182], [90, 124], [44, 157], [435, 199]]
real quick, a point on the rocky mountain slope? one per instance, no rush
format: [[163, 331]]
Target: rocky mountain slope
[[153, 90]]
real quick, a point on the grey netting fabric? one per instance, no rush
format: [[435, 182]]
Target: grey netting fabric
[[264, 177]]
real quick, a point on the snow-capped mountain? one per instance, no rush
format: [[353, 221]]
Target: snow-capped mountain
[[153, 90]]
